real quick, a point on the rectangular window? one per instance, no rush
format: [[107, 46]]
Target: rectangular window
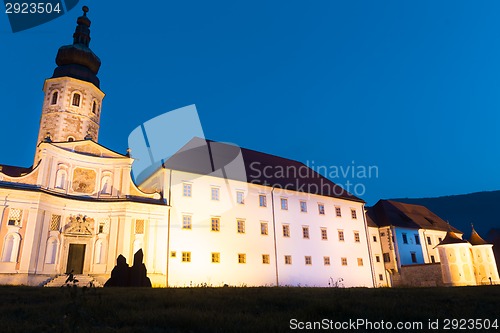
[[429, 241], [242, 258], [215, 257], [288, 260], [101, 228], [308, 260], [382, 234], [139, 227], [15, 216], [417, 239], [305, 232], [265, 259], [326, 261], [321, 209], [241, 226], [303, 207], [381, 277], [344, 261], [186, 256], [433, 260], [338, 212], [215, 224], [353, 214], [264, 230], [405, 239], [356, 237], [360, 261], [377, 258], [240, 197], [324, 234], [215, 193], [55, 222], [173, 254], [387, 257], [413, 257], [262, 200], [186, 222], [286, 230], [284, 204], [187, 190], [341, 235]]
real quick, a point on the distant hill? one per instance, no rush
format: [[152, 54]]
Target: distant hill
[[462, 210]]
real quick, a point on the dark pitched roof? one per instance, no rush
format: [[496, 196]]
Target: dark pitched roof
[[451, 238], [475, 239], [14, 171], [225, 160], [393, 213]]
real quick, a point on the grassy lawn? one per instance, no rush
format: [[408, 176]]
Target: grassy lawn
[[26, 309]]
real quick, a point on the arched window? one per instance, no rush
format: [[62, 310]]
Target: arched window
[[100, 252], [61, 176], [55, 94], [11, 247], [94, 107], [51, 252], [71, 139], [76, 99], [106, 185]]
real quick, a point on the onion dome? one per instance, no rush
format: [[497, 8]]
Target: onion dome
[[475, 239], [77, 60]]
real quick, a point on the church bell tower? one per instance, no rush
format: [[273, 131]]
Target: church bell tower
[[72, 102]]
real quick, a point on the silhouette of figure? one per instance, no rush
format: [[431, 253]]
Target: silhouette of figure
[[119, 274], [124, 276], [138, 272]]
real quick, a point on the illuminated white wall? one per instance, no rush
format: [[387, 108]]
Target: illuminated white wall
[[380, 273], [456, 264], [485, 266], [200, 241]]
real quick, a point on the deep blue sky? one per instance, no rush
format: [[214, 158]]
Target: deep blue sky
[[411, 87]]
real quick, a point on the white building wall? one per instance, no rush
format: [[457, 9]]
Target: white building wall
[[377, 257], [429, 239], [200, 241], [484, 264], [456, 264]]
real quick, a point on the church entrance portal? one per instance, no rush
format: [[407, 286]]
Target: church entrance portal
[[76, 257]]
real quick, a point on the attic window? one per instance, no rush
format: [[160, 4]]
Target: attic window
[[76, 100]]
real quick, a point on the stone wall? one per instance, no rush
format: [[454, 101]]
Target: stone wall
[[423, 275]]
